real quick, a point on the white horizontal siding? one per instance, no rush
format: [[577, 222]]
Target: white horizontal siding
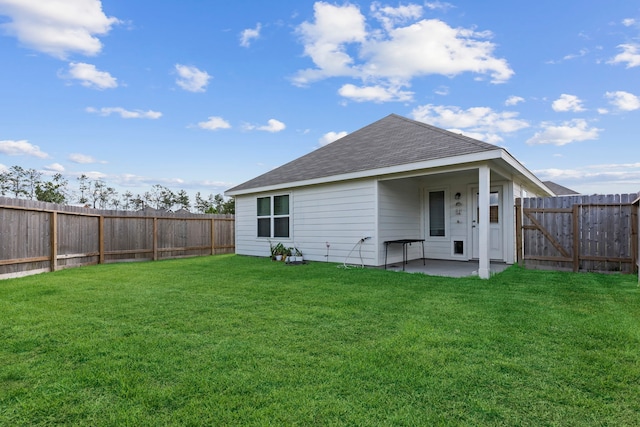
[[336, 214], [247, 228], [400, 218]]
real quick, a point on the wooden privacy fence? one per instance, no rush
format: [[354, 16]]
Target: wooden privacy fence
[[636, 204], [581, 233], [37, 237]]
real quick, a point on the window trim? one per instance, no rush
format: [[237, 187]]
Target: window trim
[[427, 213], [272, 217], [263, 217]]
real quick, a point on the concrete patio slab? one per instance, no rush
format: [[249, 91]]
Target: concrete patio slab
[[434, 267]]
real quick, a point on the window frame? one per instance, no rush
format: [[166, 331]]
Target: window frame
[[272, 217], [261, 217], [445, 212]]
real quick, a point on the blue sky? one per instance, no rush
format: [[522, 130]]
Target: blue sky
[[204, 95]]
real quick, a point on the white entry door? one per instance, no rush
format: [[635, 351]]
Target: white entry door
[[495, 225]]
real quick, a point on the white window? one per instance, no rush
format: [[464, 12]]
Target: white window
[[273, 216], [494, 207], [436, 214]]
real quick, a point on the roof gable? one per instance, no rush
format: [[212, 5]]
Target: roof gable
[[391, 141]]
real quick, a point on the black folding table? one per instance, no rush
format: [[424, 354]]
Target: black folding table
[[404, 243]]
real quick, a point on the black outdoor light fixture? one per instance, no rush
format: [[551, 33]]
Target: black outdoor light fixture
[[457, 196]]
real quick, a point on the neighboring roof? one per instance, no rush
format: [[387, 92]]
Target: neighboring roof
[[391, 141], [558, 189]]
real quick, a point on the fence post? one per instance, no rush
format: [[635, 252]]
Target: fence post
[[519, 257], [635, 235], [575, 217], [54, 241]]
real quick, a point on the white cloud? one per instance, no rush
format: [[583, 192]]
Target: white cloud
[[272, 125], [513, 100], [55, 167], [192, 79], [630, 55], [477, 122], [624, 101], [341, 43], [325, 41], [580, 54], [94, 175], [329, 137], [21, 148], [438, 5], [433, 47], [214, 123], [3, 168], [374, 93], [442, 90], [57, 27], [90, 76], [214, 184], [125, 114], [131, 180], [81, 158], [491, 138], [567, 103], [572, 131], [246, 36], [391, 16], [628, 22]]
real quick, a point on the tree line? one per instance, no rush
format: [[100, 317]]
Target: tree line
[[96, 193]]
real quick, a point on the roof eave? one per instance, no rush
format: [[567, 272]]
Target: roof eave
[[525, 172]]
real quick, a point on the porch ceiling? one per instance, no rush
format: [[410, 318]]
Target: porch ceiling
[[471, 175]]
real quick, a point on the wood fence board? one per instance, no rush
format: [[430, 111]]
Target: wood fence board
[[83, 236], [584, 231], [77, 234], [23, 260]]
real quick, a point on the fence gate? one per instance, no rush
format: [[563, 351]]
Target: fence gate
[[580, 233]]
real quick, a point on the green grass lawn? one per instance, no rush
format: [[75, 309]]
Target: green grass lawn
[[231, 340]]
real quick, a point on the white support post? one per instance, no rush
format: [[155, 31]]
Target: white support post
[[484, 185]]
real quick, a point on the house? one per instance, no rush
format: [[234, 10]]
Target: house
[[391, 180], [560, 190]]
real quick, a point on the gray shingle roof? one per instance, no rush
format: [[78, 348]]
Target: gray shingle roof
[[391, 141], [558, 189]]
